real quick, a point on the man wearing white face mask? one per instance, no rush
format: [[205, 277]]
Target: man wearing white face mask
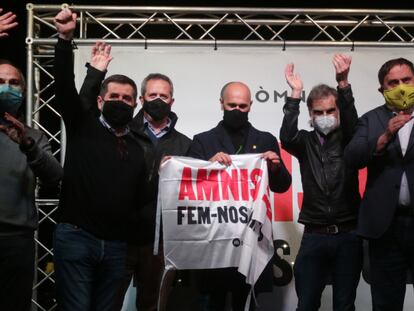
[[383, 143], [329, 245]]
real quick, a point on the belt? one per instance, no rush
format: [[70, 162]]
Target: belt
[[330, 229], [404, 210]]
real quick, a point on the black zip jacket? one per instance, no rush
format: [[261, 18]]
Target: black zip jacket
[[173, 143], [330, 188], [103, 190]]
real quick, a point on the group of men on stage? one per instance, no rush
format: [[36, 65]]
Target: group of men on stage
[[105, 234]]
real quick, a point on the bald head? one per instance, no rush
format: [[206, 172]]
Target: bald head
[[11, 75], [235, 95]]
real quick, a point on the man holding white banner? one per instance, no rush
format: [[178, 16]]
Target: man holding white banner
[[329, 244], [235, 135]]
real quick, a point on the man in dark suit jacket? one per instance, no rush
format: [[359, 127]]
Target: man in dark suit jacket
[[384, 143], [235, 135]]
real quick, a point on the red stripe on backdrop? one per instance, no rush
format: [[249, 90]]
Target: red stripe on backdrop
[[283, 206], [362, 180]]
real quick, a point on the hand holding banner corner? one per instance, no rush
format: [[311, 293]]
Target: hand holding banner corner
[[215, 216]]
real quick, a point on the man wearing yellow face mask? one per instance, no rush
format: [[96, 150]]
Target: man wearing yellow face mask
[[384, 143]]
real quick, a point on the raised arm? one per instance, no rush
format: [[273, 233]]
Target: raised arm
[[97, 68], [289, 134], [346, 101], [67, 98], [7, 22], [294, 81], [342, 64]]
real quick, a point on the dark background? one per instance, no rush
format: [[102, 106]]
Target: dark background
[[13, 48]]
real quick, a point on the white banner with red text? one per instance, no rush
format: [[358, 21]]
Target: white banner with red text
[[216, 216]]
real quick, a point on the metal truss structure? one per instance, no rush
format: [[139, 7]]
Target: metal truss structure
[[215, 27]]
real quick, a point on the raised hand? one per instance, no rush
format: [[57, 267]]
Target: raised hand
[[15, 130], [294, 80], [342, 64], [101, 56], [7, 22], [65, 22]]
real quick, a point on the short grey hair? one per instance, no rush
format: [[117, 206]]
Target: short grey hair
[[156, 76]]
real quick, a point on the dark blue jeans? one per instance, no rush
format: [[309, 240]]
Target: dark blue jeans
[[17, 256], [328, 255], [390, 257], [89, 271]]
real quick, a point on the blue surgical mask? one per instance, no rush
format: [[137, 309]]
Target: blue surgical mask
[[10, 100]]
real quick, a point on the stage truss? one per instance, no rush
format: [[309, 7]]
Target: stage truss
[[207, 26]]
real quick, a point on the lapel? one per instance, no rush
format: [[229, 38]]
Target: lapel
[[224, 140], [315, 166], [410, 141], [251, 141], [384, 115]]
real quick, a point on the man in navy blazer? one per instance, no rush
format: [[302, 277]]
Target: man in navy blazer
[[235, 135], [383, 142]]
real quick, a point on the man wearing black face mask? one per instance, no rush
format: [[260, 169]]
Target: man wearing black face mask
[[154, 127], [103, 185], [235, 135]]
